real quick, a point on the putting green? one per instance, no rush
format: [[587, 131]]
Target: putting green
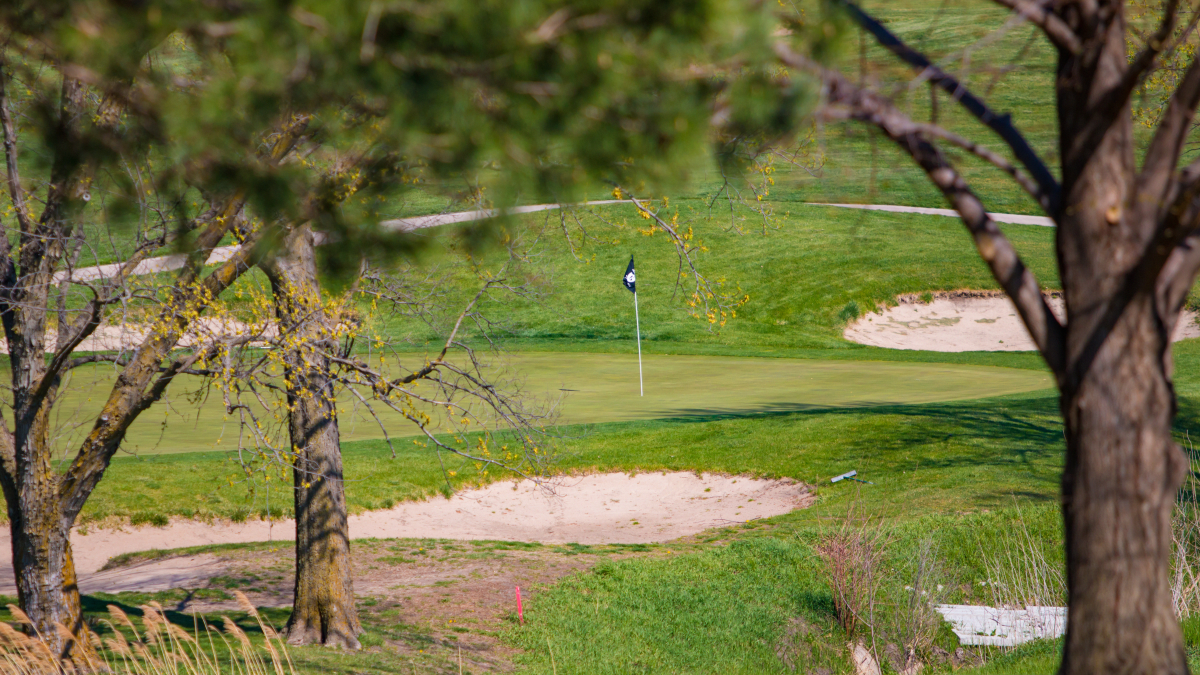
[[586, 388]]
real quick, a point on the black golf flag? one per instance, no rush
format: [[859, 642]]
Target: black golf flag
[[630, 281]]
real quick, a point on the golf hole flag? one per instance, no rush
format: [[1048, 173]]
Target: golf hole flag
[[630, 281]]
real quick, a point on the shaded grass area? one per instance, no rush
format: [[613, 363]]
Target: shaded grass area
[[928, 458]]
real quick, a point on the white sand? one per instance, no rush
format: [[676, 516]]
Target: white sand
[[593, 509], [963, 321]]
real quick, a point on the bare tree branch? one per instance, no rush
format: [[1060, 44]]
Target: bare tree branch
[[1158, 168], [999, 123], [15, 191], [1109, 107], [1054, 27], [1178, 274], [1144, 60], [1023, 179], [995, 249]]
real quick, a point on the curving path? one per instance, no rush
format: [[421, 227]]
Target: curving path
[[220, 255], [1014, 218]]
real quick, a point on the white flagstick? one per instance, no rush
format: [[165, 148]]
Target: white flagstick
[[638, 323]]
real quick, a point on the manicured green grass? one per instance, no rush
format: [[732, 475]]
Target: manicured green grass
[[799, 277], [757, 603], [716, 612]]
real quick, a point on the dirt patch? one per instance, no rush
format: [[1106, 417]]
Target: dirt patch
[[425, 602], [963, 321]]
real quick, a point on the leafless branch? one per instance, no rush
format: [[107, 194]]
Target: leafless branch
[[1054, 27], [999, 123], [935, 131], [995, 249], [1158, 168]]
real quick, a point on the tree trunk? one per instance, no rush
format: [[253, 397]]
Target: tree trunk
[[43, 566], [323, 610], [1119, 485], [45, 572], [1122, 467]]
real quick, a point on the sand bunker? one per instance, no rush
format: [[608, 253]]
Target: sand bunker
[[962, 321], [594, 509]]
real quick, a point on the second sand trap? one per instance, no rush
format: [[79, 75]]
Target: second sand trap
[[963, 321], [595, 509]]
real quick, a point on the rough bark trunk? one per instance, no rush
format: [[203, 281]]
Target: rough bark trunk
[[1119, 486], [45, 571], [323, 609], [1122, 466]]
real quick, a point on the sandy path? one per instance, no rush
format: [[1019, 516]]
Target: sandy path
[[964, 321], [998, 217], [594, 509]]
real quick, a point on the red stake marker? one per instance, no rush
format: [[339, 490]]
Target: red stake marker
[[520, 612]]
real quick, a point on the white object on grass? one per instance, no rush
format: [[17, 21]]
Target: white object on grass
[[997, 627], [848, 474]]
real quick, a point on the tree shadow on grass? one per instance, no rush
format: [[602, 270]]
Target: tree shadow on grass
[[1031, 426]]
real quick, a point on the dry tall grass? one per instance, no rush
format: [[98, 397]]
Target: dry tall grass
[[157, 648], [1185, 530], [1018, 573]]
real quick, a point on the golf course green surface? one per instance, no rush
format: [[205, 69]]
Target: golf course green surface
[[581, 388]]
